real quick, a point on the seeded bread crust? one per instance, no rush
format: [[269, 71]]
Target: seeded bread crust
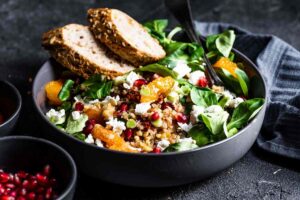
[[68, 57], [104, 29]]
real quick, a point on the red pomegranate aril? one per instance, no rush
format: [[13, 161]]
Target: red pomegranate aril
[[182, 118], [31, 195], [156, 150], [128, 134], [202, 82], [90, 121], [123, 107], [21, 198], [88, 129], [4, 177], [48, 194], [22, 174], [79, 106], [139, 82], [47, 170], [155, 116], [7, 197], [17, 180], [22, 191], [40, 190], [13, 194], [25, 183], [165, 105], [10, 185], [41, 178]]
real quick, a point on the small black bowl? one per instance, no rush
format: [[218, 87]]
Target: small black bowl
[[10, 106], [32, 154]]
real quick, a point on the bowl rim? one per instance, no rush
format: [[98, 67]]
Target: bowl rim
[[72, 183], [19, 102], [166, 154]]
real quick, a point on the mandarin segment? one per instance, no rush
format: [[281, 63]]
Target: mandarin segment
[[52, 90], [227, 64], [161, 85]]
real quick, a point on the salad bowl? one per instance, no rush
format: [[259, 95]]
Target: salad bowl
[[152, 170]]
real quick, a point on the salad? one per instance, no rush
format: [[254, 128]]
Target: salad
[[167, 106]]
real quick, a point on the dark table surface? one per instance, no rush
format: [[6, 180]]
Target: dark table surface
[[258, 175]]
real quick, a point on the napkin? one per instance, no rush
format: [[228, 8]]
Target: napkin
[[279, 64]]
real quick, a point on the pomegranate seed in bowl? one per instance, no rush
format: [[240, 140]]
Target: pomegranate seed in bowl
[[79, 106], [138, 83]]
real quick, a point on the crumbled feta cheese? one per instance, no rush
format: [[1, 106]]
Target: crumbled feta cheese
[[214, 109], [142, 108], [182, 69], [163, 144], [190, 140], [185, 127], [118, 126], [228, 94], [89, 139], [99, 143], [196, 111], [76, 115], [94, 101], [126, 86], [195, 76], [131, 78], [112, 100], [233, 103], [78, 98], [56, 117]]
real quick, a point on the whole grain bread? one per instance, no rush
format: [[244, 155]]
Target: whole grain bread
[[74, 47], [124, 36]]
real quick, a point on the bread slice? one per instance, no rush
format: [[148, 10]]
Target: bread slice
[[74, 47], [124, 36]]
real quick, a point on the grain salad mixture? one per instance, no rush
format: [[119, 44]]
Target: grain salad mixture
[[165, 106]]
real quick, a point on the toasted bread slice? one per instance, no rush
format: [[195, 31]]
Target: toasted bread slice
[[74, 47], [124, 36]]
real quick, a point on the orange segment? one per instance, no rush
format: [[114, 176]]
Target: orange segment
[[225, 63], [112, 139], [161, 85], [52, 90]]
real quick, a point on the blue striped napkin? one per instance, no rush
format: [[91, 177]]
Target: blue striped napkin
[[280, 65]]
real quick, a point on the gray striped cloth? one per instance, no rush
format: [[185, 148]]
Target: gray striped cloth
[[280, 65]]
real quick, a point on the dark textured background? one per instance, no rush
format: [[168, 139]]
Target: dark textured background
[[257, 176]]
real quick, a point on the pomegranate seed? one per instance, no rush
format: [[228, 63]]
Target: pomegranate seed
[[139, 82], [25, 183], [146, 125], [40, 190], [22, 174], [47, 170], [155, 116], [128, 134], [7, 197], [2, 190], [182, 118], [40, 197], [79, 106], [156, 150], [48, 193], [90, 121], [23, 191], [13, 194], [88, 129], [123, 107], [41, 178], [17, 180], [202, 82], [21, 198], [4, 177], [10, 185], [31, 195], [165, 105]]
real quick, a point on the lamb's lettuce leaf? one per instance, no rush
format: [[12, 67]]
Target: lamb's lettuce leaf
[[200, 134], [158, 69], [215, 121], [96, 87], [203, 97]]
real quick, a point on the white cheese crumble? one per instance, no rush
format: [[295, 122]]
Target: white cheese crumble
[[76, 115], [94, 101], [118, 126], [56, 117], [89, 139], [163, 144], [99, 143], [233, 103], [142, 108], [182, 69], [78, 99], [185, 127], [196, 111], [190, 140], [130, 79], [195, 76]]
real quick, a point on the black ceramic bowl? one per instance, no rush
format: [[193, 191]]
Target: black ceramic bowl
[[10, 106], [152, 170], [32, 154]]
